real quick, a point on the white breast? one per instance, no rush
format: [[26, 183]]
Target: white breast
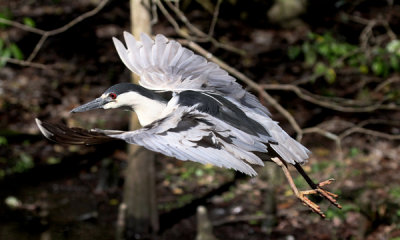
[[148, 110]]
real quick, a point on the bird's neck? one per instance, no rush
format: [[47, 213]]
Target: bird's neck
[[147, 104], [149, 110]]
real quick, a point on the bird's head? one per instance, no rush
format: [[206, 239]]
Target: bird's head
[[121, 95]]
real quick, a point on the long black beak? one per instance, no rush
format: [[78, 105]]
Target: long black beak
[[95, 104]]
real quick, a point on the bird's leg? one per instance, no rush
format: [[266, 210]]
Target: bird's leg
[[302, 194], [317, 188]]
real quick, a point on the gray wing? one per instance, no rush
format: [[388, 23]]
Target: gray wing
[[165, 65], [188, 134], [185, 135], [287, 148]]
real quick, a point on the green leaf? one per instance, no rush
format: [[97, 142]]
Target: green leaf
[[394, 63], [311, 35], [354, 152], [1, 44], [309, 54], [16, 52], [53, 160], [363, 69], [294, 52], [377, 67], [324, 49], [3, 141], [320, 69], [394, 46], [398, 214], [29, 22], [5, 55], [199, 172], [330, 75], [5, 14]]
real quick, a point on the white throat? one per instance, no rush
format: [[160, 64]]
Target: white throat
[[148, 110]]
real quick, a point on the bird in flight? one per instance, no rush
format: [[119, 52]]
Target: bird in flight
[[191, 109]]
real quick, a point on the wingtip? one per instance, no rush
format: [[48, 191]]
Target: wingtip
[[128, 35], [43, 130], [161, 37], [114, 39], [144, 36], [118, 44]]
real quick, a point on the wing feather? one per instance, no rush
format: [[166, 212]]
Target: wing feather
[[287, 148], [188, 134], [167, 66]]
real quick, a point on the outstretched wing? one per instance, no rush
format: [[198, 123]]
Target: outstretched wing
[[188, 134], [165, 65]]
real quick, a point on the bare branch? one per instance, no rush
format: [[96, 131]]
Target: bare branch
[[200, 35], [214, 19], [38, 47], [387, 82], [184, 19], [25, 63], [46, 34], [328, 103], [22, 26]]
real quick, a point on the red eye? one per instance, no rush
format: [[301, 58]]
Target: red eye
[[112, 95]]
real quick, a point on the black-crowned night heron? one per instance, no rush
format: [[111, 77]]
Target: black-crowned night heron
[[207, 118]]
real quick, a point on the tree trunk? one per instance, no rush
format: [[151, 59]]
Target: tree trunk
[[141, 218], [272, 174]]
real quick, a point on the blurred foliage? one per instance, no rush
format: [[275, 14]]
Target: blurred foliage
[[6, 14], [196, 171], [325, 54], [341, 213], [20, 164], [9, 49], [29, 22], [3, 141]]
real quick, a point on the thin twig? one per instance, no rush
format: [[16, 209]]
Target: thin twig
[[184, 19], [386, 83], [214, 19], [154, 14], [46, 34], [359, 129], [22, 26], [200, 35], [324, 102], [171, 20], [38, 46], [26, 63]]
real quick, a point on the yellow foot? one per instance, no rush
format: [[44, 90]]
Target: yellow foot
[[323, 193]]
